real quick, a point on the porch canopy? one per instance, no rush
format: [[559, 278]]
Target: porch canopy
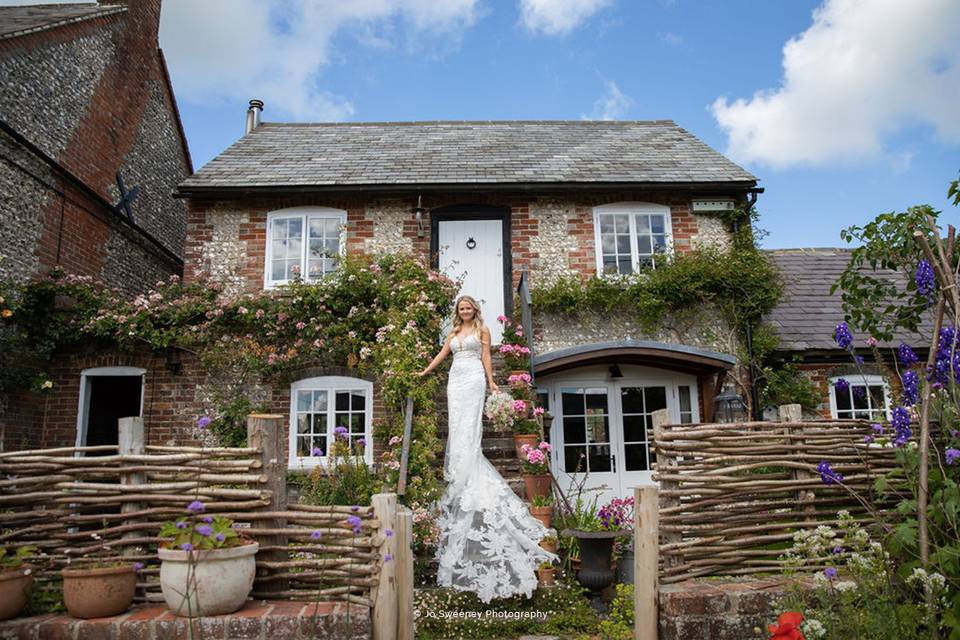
[[710, 367]]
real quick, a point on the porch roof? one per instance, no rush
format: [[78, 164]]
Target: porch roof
[[678, 357]]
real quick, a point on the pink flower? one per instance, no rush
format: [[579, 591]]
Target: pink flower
[[538, 411], [525, 448], [242, 311], [301, 325], [519, 406], [501, 318], [545, 446], [872, 342], [259, 314]]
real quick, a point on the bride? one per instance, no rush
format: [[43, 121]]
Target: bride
[[488, 539]]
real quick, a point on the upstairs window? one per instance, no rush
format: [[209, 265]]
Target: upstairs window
[[630, 236], [862, 398], [304, 241]]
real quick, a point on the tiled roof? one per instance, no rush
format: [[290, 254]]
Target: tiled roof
[[20, 20], [808, 315], [464, 153]]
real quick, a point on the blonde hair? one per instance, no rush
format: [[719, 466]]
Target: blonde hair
[[478, 325]]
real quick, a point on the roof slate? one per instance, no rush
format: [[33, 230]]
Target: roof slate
[[808, 315], [19, 20], [411, 153]]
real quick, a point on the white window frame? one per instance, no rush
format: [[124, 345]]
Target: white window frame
[[857, 379], [304, 213], [630, 208], [330, 384]]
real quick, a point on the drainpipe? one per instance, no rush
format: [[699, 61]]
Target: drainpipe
[[253, 115], [754, 392]]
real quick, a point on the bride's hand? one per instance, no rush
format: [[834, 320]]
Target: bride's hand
[[493, 387], [422, 373]]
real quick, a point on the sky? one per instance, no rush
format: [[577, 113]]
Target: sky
[[844, 109]]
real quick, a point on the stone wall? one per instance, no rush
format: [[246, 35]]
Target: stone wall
[[93, 96], [718, 609]]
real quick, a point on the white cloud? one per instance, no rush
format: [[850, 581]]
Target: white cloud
[[612, 105], [672, 39], [238, 49], [557, 17], [864, 70]]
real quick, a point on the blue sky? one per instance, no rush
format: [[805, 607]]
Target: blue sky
[[843, 108]]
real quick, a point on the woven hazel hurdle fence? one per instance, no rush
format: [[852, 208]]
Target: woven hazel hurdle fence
[[732, 496], [108, 503]]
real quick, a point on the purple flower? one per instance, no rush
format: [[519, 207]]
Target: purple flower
[[837, 550], [355, 508], [828, 475], [843, 337], [315, 535], [340, 432], [196, 507], [910, 381], [388, 557], [181, 524], [858, 359], [354, 522], [859, 391], [360, 442], [906, 355], [219, 537], [868, 439], [207, 519], [388, 533], [952, 455], [841, 385], [877, 427], [900, 420], [317, 452], [204, 530], [138, 566], [186, 546], [925, 279], [203, 422], [830, 572]]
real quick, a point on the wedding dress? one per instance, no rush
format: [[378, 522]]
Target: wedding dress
[[488, 539]]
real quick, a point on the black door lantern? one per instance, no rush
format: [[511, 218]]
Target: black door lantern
[[729, 406]]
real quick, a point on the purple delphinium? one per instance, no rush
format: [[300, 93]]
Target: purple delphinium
[[868, 439], [354, 522], [203, 422], [219, 537], [877, 427], [204, 530], [831, 573], [207, 519], [925, 279], [316, 535], [317, 452], [828, 475], [900, 420], [186, 546], [910, 382], [842, 385], [906, 355], [196, 507], [843, 337], [859, 392], [947, 362], [355, 508], [952, 455]]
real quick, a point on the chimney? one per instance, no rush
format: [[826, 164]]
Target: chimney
[[253, 115]]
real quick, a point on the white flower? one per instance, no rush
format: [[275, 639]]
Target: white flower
[[813, 628], [846, 585]]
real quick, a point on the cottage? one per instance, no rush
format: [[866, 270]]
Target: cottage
[[489, 203]]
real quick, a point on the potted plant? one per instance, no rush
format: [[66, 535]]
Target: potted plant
[[525, 432], [618, 514], [16, 577], [541, 508], [547, 574], [549, 543], [595, 532], [536, 470], [99, 586], [515, 353], [206, 568]]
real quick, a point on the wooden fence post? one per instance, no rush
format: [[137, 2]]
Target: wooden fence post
[[130, 442], [793, 414], [404, 561], [666, 463], [386, 601], [646, 565], [265, 432]]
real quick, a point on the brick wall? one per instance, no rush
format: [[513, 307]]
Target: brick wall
[[719, 610], [821, 372], [94, 97]]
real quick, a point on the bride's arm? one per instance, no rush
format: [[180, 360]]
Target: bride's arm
[[485, 357], [439, 358]]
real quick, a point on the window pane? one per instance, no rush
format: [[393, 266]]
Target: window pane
[[656, 398], [343, 400], [636, 457], [859, 393], [278, 270], [608, 243], [319, 423], [631, 399], [303, 446], [609, 264], [543, 399], [684, 393], [606, 224], [643, 223], [332, 247], [843, 399], [574, 430], [320, 401], [574, 459], [621, 223], [877, 400], [319, 442], [295, 228], [623, 244], [356, 424], [304, 400], [657, 223], [598, 428], [358, 401], [596, 402], [634, 429], [599, 459], [303, 423], [572, 401], [331, 226], [643, 245], [659, 244], [624, 265]]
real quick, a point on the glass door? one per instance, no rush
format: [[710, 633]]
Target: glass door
[[587, 444]]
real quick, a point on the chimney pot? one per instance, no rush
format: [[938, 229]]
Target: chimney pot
[[253, 115]]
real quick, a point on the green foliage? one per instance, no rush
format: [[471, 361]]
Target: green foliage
[[787, 384], [448, 613], [15, 559], [208, 532], [877, 303], [619, 624], [230, 424], [345, 479]]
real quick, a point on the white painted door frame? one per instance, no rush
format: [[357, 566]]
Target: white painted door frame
[[83, 406]]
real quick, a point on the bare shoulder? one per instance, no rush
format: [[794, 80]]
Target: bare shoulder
[[485, 331]]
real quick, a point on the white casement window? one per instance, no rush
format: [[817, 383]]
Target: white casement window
[[867, 397], [305, 240], [318, 406], [630, 236]]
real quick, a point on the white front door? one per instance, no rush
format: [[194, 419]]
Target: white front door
[[472, 251], [603, 427]]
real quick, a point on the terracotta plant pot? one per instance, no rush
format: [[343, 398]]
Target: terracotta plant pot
[[549, 545], [14, 587], [221, 579], [543, 514], [521, 439], [536, 485], [98, 593], [548, 577]]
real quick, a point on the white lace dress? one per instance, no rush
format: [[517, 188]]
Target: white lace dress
[[488, 539]]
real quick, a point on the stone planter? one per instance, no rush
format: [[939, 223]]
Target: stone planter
[[14, 587], [596, 552], [98, 593], [538, 485], [218, 581], [520, 439], [543, 514], [547, 577]]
